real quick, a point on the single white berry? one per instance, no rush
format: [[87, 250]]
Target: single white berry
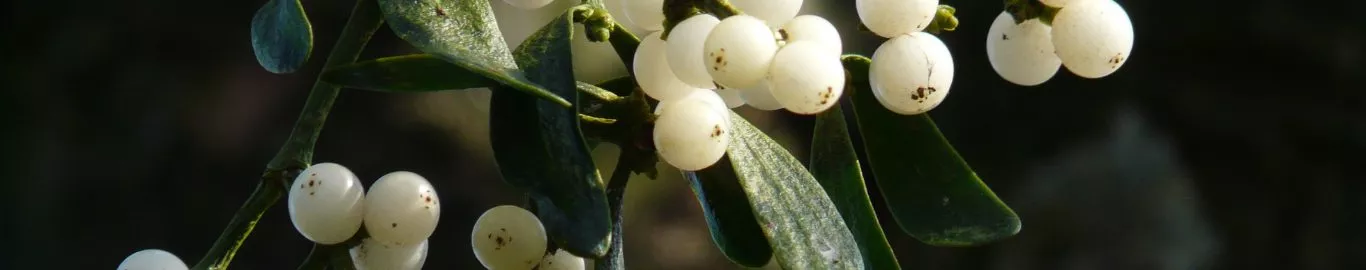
[[152, 259], [508, 237], [731, 97], [911, 74], [528, 4], [812, 28], [561, 260], [738, 51], [373, 254], [402, 208], [684, 50], [806, 78], [1058, 3], [646, 14], [691, 135], [760, 97], [1021, 53], [774, 12], [652, 70], [708, 96], [1093, 38], [890, 18], [326, 203]]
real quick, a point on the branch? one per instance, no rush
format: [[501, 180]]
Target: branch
[[297, 152], [616, 193]]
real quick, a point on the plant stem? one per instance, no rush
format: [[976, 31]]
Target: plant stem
[[297, 152], [616, 193], [625, 43]]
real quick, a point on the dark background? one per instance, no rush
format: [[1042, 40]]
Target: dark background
[[1232, 139]]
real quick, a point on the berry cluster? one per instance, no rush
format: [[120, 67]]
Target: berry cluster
[[1092, 38], [508, 237], [769, 58], [328, 204]]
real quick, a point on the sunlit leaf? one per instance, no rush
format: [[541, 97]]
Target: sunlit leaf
[[835, 164]]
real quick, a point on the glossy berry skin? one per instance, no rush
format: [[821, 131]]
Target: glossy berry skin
[[774, 12], [1021, 53], [691, 134], [508, 237], [684, 48], [652, 70], [401, 208], [738, 51], [812, 28], [372, 254], [891, 18], [911, 74], [646, 14], [760, 97], [806, 78], [326, 203], [1093, 37], [152, 259]]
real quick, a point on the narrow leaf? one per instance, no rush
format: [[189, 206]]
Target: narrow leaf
[[730, 218], [932, 193], [408, 73], [835, 164], [281, 36], [538, 146], [465, 34], [800, 221]]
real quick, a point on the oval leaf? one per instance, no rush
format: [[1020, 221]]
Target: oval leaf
[[800, 221], [932, 193], [729, 216], [835, 164], [538, 146], [408, 73], [463, 33], [281, 36]]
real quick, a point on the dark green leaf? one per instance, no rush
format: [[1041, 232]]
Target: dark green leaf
[[281, 36], [408, 73], [729, 216], [836, 166], [465, 34], [800, 221], [539, 147], [931, 191]]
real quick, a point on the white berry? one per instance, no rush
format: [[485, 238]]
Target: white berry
[[760, 97], [812, 28], [508, 237], [152, 259], [528, 4], [1057, 3], [652, 70], [738, 51], [805, 78], [691, 135], [775, 12], [684, 50], [911, 74], [889, 18], [1021, 53], [373, 254], [646, 14], [1093, 38], [402, 208], [708, 96], [325, 203], [731, 97], [560, 260]]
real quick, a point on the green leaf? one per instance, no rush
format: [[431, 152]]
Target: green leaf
[[800, 221], [932, 193], [730, 218], [835, 164], [408, 73], [465, 34], [538, 146], [281, 36]]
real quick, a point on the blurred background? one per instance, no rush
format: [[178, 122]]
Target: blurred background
[[1230, 140]]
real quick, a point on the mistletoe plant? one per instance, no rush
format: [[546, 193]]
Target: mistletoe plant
[[701, 59]]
